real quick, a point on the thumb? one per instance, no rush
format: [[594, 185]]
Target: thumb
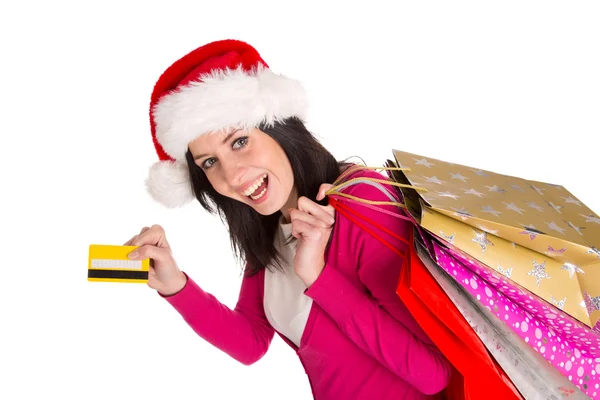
[[322, 190], [151, 252]]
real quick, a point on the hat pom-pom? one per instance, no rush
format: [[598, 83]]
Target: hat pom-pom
[[169, 184]]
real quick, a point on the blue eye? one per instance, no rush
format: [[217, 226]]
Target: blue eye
[[243, 141], [237, 144], [208, 163]]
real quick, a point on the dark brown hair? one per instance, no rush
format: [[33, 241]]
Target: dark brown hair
[[252, 234]]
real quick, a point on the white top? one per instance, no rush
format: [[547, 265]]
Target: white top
[[286, 306]]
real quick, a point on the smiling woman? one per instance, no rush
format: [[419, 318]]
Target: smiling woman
[[229, 133], [268, 169], [241, 164]]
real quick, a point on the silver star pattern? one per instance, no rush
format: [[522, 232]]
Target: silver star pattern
[[423, 161], [490, 209], [531, 230], [482, 240], [459, 177], [576, 228], [594, 250], [433, 179], [463, 213], [539, 272], [532, 204], [571, 200], [572, 269], [506, 272], [447, 194], [559, 304], [480, 172], [496, 188], [592, 303], [514, 207], [516, 187], [474, 192], [554, 206], [555, 227], [591, 218], [449, 238], [537, 189]]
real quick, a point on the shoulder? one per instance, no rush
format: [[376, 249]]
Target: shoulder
[[365, 187], [370, 185]]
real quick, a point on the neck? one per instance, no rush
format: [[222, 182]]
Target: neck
[[291, 203]]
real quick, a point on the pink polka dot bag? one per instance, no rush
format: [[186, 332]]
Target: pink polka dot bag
[[567, 344]]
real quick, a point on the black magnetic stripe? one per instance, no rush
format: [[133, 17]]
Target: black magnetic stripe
[[117, 274]]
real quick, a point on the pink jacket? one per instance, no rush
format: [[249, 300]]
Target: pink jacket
[[360, 341]]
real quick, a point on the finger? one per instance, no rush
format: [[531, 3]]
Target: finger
[[306, 230], [130, 241], [299, 215], [154, 236], [326, 213], [322, 190], [148, 251]]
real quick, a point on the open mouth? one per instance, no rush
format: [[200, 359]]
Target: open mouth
[[259, 189]]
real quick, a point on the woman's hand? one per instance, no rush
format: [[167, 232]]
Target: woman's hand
[[164, 275], [311, 225]]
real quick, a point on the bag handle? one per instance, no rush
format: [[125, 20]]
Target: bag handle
[[339, 184], [346, 211]]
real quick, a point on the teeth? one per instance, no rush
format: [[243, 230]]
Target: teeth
[[255, 186], [259, 195]]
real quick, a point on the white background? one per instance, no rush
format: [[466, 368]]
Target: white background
[[511, 87]]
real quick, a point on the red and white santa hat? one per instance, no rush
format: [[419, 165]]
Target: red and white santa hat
[[220, 85]]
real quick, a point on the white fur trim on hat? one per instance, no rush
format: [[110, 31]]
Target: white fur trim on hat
[[224, 99], [169, 183]]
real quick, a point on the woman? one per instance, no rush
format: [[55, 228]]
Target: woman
[[229, 133]]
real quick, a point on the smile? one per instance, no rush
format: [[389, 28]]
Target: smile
[[258, 188]]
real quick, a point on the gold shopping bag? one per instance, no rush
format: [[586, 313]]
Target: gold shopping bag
[[537, 234]]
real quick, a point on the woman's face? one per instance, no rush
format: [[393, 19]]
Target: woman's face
[[248, 166]]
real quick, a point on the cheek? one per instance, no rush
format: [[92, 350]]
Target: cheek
[[285, 171], [218, 185]]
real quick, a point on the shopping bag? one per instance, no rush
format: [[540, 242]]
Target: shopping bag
[[566, 328], [528, 370], [543, 234], [478, 374], [555, 349]]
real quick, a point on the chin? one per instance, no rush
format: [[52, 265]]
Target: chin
[[267, 212], [269, 207]]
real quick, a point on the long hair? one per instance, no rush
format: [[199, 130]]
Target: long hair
[[252, 234]]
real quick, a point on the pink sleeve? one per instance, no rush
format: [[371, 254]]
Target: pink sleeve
[[244, 332], [375, 319]]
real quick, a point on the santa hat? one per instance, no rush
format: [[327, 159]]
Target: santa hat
[[217, 86]]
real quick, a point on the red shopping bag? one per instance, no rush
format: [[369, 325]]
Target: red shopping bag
[[477, 375]]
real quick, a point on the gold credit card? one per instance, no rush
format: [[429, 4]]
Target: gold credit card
[[108, 263]]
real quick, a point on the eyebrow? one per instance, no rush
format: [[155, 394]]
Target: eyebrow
[[223, 142]]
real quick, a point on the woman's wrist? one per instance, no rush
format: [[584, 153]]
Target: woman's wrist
[[175, 286]]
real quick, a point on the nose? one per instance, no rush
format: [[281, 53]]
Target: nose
[[234, 173]]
